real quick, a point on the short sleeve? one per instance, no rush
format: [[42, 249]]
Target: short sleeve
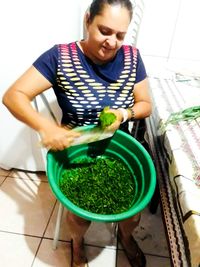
[[140, 69], [47, 64]]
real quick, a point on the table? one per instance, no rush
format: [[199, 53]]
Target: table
[[176, 151]]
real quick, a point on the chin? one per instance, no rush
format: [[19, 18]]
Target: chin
[[105, 57]]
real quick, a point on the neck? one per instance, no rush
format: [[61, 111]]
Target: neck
[[83, 45]]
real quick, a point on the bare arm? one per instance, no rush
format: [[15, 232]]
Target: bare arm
[[18, 101], [142, 106], [18, 97]]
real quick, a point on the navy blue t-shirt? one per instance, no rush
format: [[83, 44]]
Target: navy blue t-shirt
[[83, 88]]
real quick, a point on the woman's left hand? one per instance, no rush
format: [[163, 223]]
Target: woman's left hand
[[116, 124]]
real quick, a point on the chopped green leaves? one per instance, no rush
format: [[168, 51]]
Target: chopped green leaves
[[100, 185]]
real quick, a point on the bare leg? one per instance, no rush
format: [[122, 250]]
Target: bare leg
[[127, 226], [133, 252], [77, 227]]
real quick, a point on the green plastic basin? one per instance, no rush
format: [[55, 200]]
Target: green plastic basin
[[120, 146]]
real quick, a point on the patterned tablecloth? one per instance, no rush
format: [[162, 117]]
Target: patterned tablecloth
[[181, 145]]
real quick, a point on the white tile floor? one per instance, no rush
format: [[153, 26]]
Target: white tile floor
[[28, 211]]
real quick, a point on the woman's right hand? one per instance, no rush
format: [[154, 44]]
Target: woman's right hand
[[57, 137]]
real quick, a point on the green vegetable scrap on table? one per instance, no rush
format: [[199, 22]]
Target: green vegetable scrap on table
[[99, 185], [106, 118], [187, 114]]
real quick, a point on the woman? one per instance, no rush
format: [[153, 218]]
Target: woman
[[86, 76]]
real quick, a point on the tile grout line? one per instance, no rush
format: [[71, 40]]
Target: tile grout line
[[150, 254], [117, 250], [3, 181], [42, 237]]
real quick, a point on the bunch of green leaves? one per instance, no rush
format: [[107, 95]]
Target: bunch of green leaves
[[106, 118], [99, 185], [187, 114]]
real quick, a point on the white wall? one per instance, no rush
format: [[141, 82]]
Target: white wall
[[170, 32], [28, 28]]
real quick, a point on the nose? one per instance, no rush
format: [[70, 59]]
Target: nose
[[111, 42]]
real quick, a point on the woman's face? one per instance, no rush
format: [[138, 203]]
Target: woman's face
[[106, 33]]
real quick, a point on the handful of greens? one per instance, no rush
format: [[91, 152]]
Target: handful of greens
[[106, 118], [100, 185], [98, 132]]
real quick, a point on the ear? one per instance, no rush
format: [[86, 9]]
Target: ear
[[87, 19], [86, 22]]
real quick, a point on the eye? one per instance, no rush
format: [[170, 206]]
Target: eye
[[120, 36], [104, 31]]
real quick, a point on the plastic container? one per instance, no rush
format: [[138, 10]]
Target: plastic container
[[121, 146]]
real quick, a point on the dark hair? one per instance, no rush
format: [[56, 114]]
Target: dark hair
[[97, 6]]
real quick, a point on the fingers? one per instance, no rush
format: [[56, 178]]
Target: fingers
[[59, 139], [72, 134], [59, 145], [113, 127]]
